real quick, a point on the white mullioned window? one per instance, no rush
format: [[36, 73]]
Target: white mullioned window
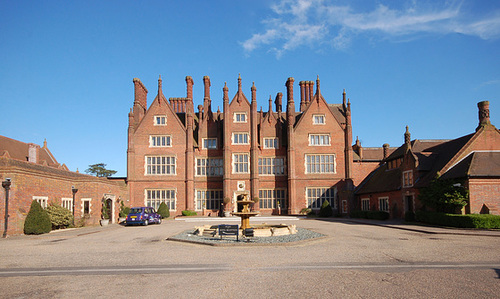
[[240, 117], [408, 178], [320, 163], [160, 165], [86, 206], [67, 203], [240, 138], [154, 197], [318, 119], [160, 141], [160, 120], [365, 204], [240, 163], [319, 139], [383, 204], [208, 199], [42, 200], [271, 142], [209, 166], [210, 143], [272, 166], [317, 195], [269, 198]]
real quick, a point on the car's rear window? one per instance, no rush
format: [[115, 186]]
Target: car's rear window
[[135, 210]]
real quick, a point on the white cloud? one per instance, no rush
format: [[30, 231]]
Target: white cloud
[[314, 22]]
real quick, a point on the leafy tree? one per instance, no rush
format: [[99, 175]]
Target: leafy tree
[[105, 210], [99, 170], [444, 196], [163, 210], [124, 210], [37, 221], [60, 217]]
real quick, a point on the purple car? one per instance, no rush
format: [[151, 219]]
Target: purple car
[[142, 215]]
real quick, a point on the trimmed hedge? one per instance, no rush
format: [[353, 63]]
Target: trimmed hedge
[[163, 210], [189, 213], [325, 210], [37, 221], [376, 215], [457, 220]]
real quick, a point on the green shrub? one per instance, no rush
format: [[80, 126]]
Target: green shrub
[[163, 211], [409, 216], [189, 213], [104, 210], [59, 217], [124, 210], [359, 214], [456, 220], [305, 211], [326, 209], [37, 221]]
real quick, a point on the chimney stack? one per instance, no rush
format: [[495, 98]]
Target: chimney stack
[[484, 114], [206, 81], [386, 150], [189, 84]]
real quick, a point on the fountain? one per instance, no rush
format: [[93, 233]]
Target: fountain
[[245, 213]]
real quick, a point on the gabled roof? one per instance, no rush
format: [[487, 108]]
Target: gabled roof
[[380, 180], [19, 150], [476, 164]]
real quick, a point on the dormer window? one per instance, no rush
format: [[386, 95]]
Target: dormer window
[[240, 117], [271, 142], [408, 178], [210, 143], [318, 119], [160, 120]]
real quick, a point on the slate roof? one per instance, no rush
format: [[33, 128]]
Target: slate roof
[[477, 164], [18, 150]]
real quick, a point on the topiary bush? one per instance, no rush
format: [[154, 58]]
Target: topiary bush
[[124, 210], [326, 209], [59, 217], [189, 213], [163, 211], [37, 221]]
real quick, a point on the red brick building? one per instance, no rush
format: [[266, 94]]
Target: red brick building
[[473, 160], [35, 174], [289, 159]]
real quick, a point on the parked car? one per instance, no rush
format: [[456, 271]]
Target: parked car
[[142, 215]]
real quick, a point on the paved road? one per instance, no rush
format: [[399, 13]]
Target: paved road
[[355, 260]]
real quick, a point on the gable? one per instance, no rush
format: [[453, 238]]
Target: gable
[[173, 124]]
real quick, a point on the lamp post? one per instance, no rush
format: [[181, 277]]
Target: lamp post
[[6, 186], [74, 190]]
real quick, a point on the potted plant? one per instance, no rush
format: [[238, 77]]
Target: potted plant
[[226, 201], [104, 214], [124, 210]]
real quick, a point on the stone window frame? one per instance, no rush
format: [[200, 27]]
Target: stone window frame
[[167, 138], [67, 202], [207, 139], [319, 135], [160, 117], [383, 204], [235, 117], [318, 201], [307, 167], [42, 200], [169, 165], [271, 140], [215, 203], [273, 166], [233, 139], [314, 119], [247, 163], [365, 204], [407, 178], [83, 200], [171, 202], [207, 166], [266, 202]]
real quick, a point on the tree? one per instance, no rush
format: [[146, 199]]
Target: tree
[[99, 170], [446, 196], [326, 209], [163, 210], [37, 221]]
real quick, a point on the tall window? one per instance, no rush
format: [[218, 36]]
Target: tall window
[[160, 165], [240, 163], [365, 204], [154, 197], [208, 199], [160, 120], [210, 143], [42, 200], [160, 141], [408, 178], [209, 166], [383, 204], [271, 166], [271, 142], [320, 163], [316, 197], [269, 198], [240, 138], [86, 206], [240, 117], [319, 139], [67, 203], [318, 119]]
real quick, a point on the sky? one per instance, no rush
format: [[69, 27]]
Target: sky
[[66, 67]]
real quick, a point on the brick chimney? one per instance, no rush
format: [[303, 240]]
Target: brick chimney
[[289, 89], [484, 114], [189, 87], [386, 150], [302, 96], [32, 153], [140, 93]]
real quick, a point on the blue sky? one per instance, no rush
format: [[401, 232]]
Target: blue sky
[[66, 67]]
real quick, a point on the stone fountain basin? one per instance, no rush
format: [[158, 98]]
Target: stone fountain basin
[[260, 230]]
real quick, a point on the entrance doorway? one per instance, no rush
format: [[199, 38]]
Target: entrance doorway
[[409, 203]]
